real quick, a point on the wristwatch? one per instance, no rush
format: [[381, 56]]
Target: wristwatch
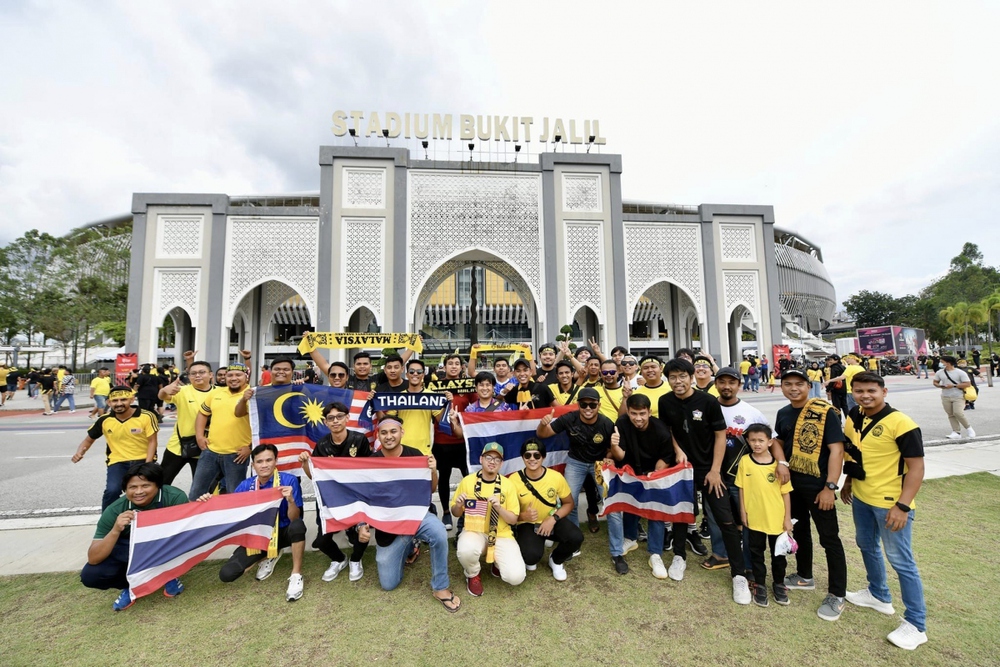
[[832, 486]]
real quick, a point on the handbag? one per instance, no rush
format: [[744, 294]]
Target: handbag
[[189, 446], [971, 394]]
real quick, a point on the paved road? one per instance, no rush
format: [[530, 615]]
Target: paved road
[[40, 479]]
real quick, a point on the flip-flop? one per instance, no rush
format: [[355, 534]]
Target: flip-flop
[[444, 603], [414, 555], [592, 523], [713, 562]]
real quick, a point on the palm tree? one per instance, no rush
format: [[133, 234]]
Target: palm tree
[[962, 318], [991, 304]]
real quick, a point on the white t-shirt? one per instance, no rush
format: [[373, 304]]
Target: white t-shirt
[[738, 418], [948, 390]]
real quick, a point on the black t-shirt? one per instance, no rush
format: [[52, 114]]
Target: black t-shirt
[[146, 386], [354, 441], [537, 395], [386, 388], [784, 426], [48, 382], [13, 377], [693, 422], [587, 442], [382, 538], [644, 448], [835, 372], [356, 384], [543, 376]]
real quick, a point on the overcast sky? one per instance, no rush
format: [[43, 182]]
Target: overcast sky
[[872, 128]]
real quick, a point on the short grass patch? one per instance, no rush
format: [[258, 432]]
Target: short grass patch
[[596, 617]]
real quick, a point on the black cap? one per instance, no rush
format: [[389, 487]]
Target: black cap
[[521, 362], [728, 371], [796, 372], [588, 393]]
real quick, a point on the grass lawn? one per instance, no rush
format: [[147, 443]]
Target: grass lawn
[[596, 617]]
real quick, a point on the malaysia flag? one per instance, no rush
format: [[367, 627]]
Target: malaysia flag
[[168, 542], [664, 495], [290, 417], [510, 429], [389, 493]]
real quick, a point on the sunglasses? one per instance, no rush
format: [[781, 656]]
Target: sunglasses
[[628, 363], [589, 405], [338, 375], [415, 371], [609, 373], [533, 455]]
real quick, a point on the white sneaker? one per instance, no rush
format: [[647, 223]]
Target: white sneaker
[[531, 568], [294, 591], [969, 433], [677, 567], [656, 564], [266, 567], [576, 554], [864, 598], [907, 636], [955, 435], [741, 590], [629, 546], [558, 571], [334, 569], [357, 571], [549, 544]]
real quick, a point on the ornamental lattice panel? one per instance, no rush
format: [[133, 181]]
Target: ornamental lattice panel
[[740, 288], [582, 193], [738, 243], [179, 237], [664, 251], [364, 188], [284, 249], [362, 261], [584, 267], [452, 212], [178, 287]]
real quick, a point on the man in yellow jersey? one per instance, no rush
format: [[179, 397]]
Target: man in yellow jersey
[[892, 457], [100, 387], [226, 448], [419, 424], [183, 449], [565, 388], [703, 379], [131, 437], [652, 372], [609, 390]]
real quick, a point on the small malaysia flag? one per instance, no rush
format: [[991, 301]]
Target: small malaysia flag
[[475, 507]]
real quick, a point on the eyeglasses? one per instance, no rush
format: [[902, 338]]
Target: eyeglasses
[[609, 373], [415, 371], [336, 417], [589, 405], [495, 460], [533, 455], [338, 375]]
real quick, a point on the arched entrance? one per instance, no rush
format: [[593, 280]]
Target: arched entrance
[[175, 334], [742, 324], [269, 321], [586, 326], [664, 319]]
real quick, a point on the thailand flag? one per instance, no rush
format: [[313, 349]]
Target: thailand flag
[[168, 542], [664, 495], [391, 493], [290, 417], [510, 429]]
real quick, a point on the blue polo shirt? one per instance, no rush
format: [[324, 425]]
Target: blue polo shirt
[[286, 479]]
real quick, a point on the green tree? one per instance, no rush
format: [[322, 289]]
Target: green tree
[[871, 309], [992, 305]]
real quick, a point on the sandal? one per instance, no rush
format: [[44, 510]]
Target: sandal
[[592, 523], [713, 562], [450, 599], [414, 555]]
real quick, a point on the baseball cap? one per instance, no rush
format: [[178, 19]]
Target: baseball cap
[[728, 371], [533, 445], [796, 372], [521, 362], [493, 447], [588, 392]]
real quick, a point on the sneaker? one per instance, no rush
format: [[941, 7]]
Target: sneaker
[[266, 567], [621, 567], [357, 571], [741, 590], [781, 595], [642, 536], [558, 571], [173, 588], [576, 554], [495, 571], [294, 591], [831, 609], [72, 411], [449, 526], [123, 602], [677, 567], [656, 564], [796, 583], [760, 595], [906, 636], [955, 435], [474, 585], [629, 546], [864, 598], [696, 545], [703, 531], [334, 569], [969, 433], [531, 568], [549, 544]]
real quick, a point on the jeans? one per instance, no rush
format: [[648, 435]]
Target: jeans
[[816, 389], [654, 532], [390, 559], [755, 382], [113, 485], [718, 546], [804, 507], [851, 403], [870, 529], [923, 369], [110, 572], [63, 397], [576, 472], [955, 409], [100, 402], [210, 466], [746, 382], [32, 389], [723, 511]]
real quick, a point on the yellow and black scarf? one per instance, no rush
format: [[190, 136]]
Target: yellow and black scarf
[[807, 441], [272, 547]]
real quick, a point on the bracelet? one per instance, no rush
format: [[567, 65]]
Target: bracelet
[[553, 513], [783, 463], [903, 507]]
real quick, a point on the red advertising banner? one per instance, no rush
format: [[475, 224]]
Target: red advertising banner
[[125, 363], [778, 351]]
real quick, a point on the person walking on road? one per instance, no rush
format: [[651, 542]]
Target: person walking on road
[[952, 381]]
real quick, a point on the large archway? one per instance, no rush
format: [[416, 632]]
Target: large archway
[[505, 312], [664, 319], [269, 321]]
